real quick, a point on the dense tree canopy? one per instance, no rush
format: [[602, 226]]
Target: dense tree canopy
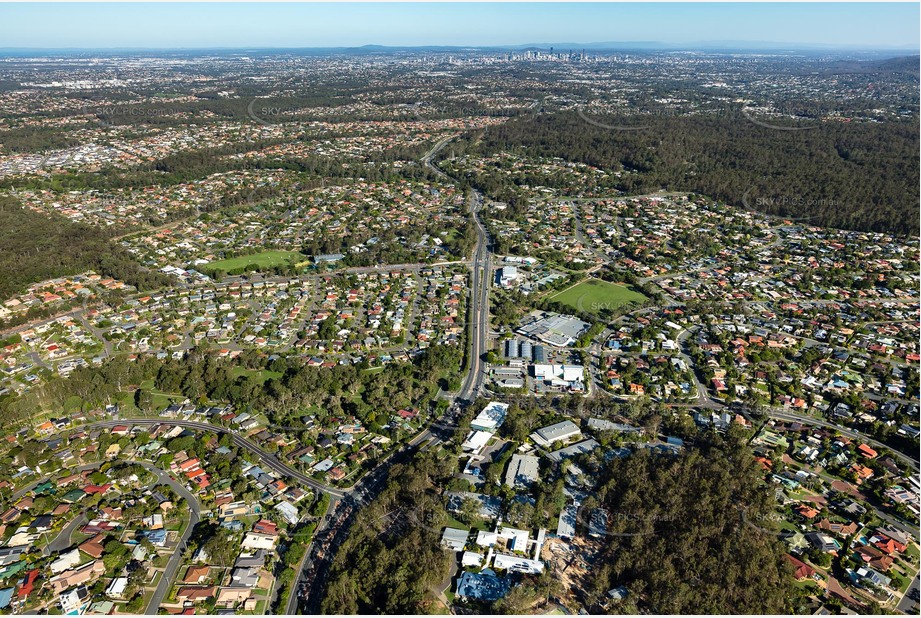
[[849, 175], [690, 534], [36, 246], [392, 557]]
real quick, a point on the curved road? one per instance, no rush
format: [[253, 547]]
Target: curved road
[[266, 459], [479, 286], [172, 566], [479, 306], [64, 539], [368, 486]]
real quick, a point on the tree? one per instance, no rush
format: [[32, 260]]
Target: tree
[[219, 548], [469, 510], [693, 508], [394, 571], [327, 328], [518, 601], [116, 555], [143, 400], [136, 604]]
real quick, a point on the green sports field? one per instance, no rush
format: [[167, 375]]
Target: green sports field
[[256, 261], [595, 295]]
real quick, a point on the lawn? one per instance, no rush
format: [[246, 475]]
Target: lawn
[[160, 400], [807, 584], [595, 295], [260, 375], [478, 524], [256, 261]]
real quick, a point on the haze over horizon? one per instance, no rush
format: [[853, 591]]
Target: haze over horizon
[[855, 26]]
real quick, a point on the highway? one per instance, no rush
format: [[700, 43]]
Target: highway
[[344, 504], [481, 279], [306, 563], [334, 525]]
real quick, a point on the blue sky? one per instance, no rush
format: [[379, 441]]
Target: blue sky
[[170, 25]]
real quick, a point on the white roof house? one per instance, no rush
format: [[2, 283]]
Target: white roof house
[[475, 441], [454, 538], [517, 564], [484, 538], [75, 601], [554, 433], [288, 511], [491, 417], [471, 559], [517, 540], [523, 470], [257, 540], [66, 561], [117, 588]]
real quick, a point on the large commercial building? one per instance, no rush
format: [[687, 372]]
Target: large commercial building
[[491, 418], [523, 471], [564, 430], [586, 446], [554, 329], [565, 376]]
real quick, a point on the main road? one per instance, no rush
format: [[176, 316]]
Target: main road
[[266, 459], [481, 278], [311, 572]]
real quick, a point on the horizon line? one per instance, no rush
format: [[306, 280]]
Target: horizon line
[[595, 46]]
